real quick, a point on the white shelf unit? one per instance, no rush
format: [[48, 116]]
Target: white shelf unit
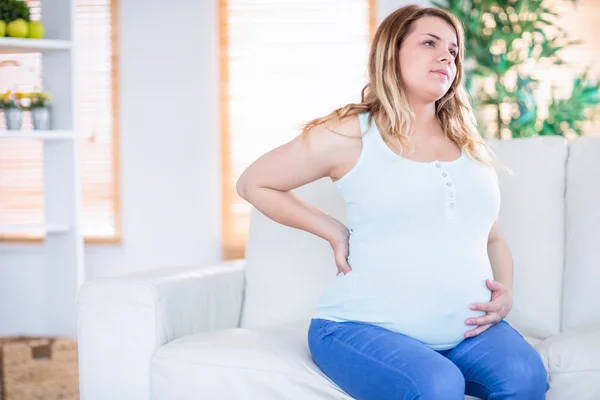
[[10, 45], [63, 237], [43, 135]]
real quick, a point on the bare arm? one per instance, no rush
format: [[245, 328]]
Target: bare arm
[[268, 181], [501, 302], [500, 258]]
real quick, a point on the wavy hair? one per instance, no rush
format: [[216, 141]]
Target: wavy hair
[[385, 97]]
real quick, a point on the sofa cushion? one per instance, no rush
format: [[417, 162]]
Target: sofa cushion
[[532, 220], [243, 364], [581, 303], [572, 360]]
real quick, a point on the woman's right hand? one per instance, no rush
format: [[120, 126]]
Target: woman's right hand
[[340, 245], [325, 151]]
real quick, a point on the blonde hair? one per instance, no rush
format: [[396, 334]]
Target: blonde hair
[[385, 98]]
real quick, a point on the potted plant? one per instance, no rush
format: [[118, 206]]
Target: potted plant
[[508, 41], [10, 103], [39, 105], [16, 16]]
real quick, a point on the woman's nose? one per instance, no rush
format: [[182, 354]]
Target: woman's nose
[[445, 57]]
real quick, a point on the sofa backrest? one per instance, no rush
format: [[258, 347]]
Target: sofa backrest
[[532, 220], [287, 269], [581, 299]]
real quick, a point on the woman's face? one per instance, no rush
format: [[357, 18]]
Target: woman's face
[[426, 54]]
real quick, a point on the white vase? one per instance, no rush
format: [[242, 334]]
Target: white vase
[[40, 117], [14, 117]]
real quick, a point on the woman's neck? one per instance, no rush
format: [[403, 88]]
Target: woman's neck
[[426, 122]]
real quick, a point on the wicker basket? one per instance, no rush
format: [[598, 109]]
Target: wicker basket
[[38, 369]]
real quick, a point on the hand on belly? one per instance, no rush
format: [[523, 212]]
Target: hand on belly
[[494, 311]]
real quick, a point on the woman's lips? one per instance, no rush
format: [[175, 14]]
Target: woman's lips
[[440, 74]]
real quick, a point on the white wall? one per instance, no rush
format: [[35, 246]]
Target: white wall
[[169, 157], [170, 148]]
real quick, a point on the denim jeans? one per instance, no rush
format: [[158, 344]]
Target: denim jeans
[[373, 363]]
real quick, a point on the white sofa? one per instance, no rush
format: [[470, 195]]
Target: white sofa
[[238, 330]]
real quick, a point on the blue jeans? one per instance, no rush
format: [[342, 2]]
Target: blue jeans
[[369, 362]]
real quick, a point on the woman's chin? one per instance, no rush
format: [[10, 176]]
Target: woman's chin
[[431, 93], [438, 92], [433, 96]]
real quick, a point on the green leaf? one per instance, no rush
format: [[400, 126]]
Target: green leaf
[[546, 48]]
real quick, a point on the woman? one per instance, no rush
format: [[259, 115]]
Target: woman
[[425, 277]]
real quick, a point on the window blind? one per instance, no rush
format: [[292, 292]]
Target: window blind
[[283, 63], [96, 86], [21, 163]]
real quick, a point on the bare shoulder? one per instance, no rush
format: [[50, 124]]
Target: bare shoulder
[[324, 151], [343, 133], [340, 143]]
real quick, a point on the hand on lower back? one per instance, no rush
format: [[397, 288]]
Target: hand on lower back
[[340, 246]]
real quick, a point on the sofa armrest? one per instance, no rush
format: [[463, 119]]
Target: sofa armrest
[[122, 321]]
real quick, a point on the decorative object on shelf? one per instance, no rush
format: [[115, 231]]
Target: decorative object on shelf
[[15, 18], [41, 118], [19, 28], [36, 30], [11, 10], [10, 103], [39, 106]]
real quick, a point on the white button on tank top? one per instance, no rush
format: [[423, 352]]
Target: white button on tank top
[[418, 243]]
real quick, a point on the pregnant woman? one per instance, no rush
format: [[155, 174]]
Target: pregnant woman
[[424, 275]]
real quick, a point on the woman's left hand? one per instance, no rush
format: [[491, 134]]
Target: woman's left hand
[[497, 309]]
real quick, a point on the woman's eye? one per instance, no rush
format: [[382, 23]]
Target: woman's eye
[[453, 52]]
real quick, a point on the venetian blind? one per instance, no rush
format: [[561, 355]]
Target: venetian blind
[[21, 181], [282, 63]]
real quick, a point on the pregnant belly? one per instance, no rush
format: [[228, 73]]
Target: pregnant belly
[[431, 309]]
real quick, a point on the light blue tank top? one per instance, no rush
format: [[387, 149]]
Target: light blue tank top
[[418, 243]]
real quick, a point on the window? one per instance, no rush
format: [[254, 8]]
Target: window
[[282, 63], [21, 183]]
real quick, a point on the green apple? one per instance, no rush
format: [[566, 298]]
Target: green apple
[[18, 28], [36, 30], [2, 28]]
